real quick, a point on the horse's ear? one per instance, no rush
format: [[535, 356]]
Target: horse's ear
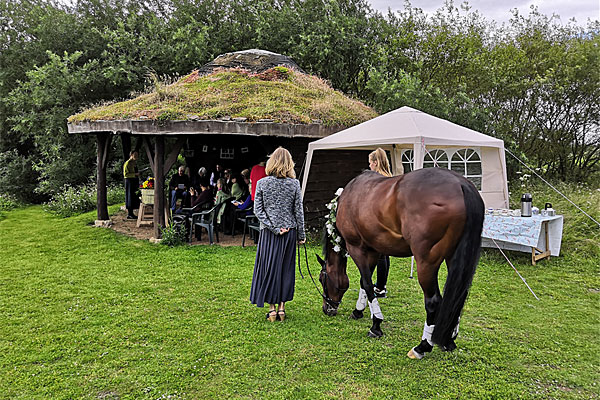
[[320, 260]]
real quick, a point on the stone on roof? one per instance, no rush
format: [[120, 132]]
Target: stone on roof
[[254, 60]]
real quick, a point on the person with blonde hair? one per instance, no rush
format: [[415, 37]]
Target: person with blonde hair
[[278, 206], [379, 163]]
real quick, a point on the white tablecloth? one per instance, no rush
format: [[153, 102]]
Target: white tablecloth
[[522, 233]]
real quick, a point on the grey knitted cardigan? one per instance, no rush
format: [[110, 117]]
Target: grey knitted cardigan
[[278, 204]]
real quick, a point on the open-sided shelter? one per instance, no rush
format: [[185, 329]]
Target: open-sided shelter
[[416, 140], [232, 111]]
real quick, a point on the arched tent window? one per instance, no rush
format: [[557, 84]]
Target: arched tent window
[[467, 162], [435, 158], [408, 160]]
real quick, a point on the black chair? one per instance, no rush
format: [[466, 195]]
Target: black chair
[[239, 215], [184, 217], [206, 219], [251, 223]]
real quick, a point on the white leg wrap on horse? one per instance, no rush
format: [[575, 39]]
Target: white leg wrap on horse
[[455, 331], [375, 310], [427, 331], [361, 303]]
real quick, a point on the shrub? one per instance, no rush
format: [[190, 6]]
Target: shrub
[[8, 202], [174, 235], [76, 200]]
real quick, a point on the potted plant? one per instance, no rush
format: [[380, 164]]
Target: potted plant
[[147, 189]]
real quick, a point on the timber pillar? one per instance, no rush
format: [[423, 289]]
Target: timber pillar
[[103, 140], [159, 186]]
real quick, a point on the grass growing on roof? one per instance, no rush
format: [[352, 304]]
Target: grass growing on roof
[[88, 313], [280, 94]]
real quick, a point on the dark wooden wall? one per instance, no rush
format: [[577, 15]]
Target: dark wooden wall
[[329, 170], [258, 147]]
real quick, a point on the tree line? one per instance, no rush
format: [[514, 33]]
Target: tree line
[[533, 82]]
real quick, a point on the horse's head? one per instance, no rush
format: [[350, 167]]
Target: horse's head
[[333, 278]]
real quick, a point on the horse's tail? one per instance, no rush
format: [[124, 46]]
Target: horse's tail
[[461, 268]]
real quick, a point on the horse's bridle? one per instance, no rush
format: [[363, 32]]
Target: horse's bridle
[[325, 294]]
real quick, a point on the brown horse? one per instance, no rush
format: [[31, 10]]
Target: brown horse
[[433, 214]]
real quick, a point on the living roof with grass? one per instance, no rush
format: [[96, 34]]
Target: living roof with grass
[[278, 94]]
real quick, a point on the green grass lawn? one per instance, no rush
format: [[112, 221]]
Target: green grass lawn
[[88, 313]]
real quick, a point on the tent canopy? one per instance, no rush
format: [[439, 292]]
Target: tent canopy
[[407, 128]]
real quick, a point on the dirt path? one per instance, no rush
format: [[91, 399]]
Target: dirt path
[[121, 224]]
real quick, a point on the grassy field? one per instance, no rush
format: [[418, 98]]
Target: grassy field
[[88, 313]]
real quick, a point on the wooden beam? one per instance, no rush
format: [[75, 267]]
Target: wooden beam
[[159, 186], [102, 140], [150, 154], [125, 144], [174, 153]]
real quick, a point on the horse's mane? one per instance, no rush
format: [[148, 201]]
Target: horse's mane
[[326, 242]]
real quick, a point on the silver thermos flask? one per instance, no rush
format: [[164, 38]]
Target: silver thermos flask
[[526, 205]]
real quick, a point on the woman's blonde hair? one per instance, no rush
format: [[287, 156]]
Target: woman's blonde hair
[[383, 165], [280, 164]]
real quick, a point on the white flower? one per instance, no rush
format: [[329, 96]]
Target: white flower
[[337, 248], [339, 191], [329, 206], [338, 239]]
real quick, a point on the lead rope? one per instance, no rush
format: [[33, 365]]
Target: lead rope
[[307, 268]]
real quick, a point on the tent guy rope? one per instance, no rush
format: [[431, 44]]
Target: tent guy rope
[[511, 264], [553, 188]]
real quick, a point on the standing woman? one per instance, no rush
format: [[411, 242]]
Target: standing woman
[[278, 206], [378, 162], [131, 174]]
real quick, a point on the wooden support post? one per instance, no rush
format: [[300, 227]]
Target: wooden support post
[[125, 144], [150, 154], [103, 141], [543, 254], [159, 185]]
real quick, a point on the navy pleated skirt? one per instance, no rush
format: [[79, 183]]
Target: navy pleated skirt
[[274, 269]]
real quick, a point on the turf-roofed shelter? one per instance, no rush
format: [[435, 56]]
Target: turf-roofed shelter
[[232, 111]]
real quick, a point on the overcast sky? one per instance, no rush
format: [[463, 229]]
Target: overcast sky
[[499, 10]]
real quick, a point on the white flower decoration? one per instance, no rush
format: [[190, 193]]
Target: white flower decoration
[[334, 236]]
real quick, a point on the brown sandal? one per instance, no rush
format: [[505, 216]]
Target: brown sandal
[[272, 315], [281, 315]]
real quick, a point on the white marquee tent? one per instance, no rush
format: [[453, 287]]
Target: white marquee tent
[[417, 140]]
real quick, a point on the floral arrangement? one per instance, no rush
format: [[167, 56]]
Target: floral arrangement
[[148, 183], [334, 235]]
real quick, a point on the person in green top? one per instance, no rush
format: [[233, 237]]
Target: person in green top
[[131, 175], [239, 189]]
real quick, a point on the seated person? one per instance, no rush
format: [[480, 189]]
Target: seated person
[[228, 174], [222, 195], [200, 176], [246, 205], [178, 187], [203, 197], [238, 189]]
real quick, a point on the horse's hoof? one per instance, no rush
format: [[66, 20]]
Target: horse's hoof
[[356, 314], [415, 355], [375, 334], [451, 346]]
